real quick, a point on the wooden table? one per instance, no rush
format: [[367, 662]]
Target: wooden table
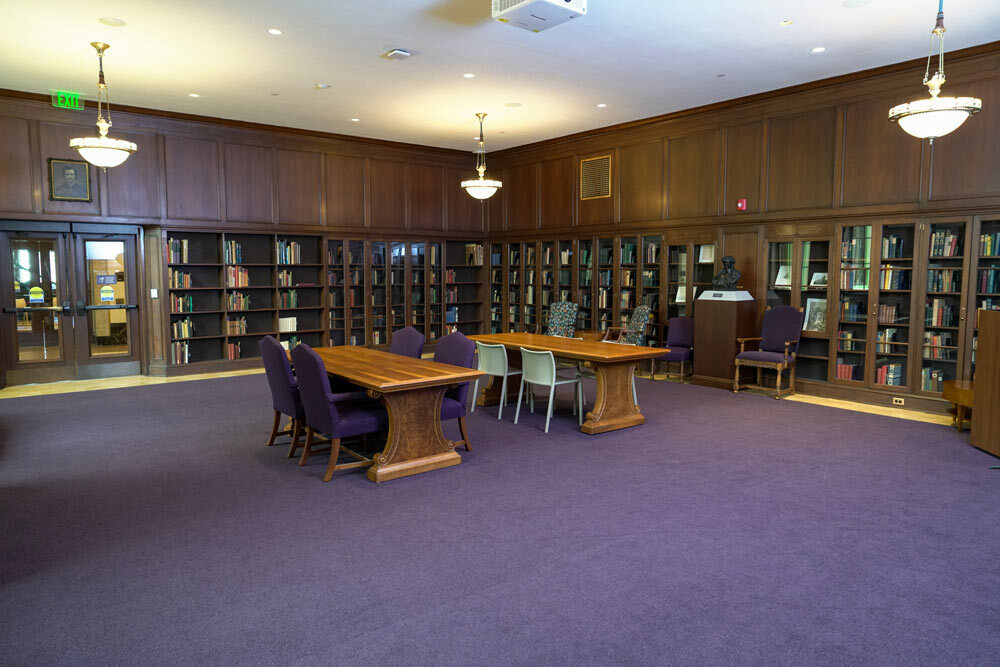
[[959, 393], [411, 391], [613, 365]]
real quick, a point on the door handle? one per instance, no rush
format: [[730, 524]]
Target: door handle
[[117, 306], [39, 309]]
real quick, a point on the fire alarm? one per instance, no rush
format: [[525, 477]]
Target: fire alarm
[[741, 204]]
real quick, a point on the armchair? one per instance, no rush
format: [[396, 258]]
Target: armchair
[[680, 340], [562, 319], [633, 333], [777, 346], [407, 342]]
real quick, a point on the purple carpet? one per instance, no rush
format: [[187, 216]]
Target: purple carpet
[[151, 526]]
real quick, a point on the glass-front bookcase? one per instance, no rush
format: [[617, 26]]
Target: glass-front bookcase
[[585, 284], [650, 288], [944, 307], [605, 283], [852, 318]]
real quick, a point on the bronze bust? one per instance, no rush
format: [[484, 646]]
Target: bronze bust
[[728, 278]]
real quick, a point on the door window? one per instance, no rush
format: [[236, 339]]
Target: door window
[[106, 286], [36, 289]]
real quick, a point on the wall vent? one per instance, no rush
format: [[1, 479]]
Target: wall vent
[[595, 177]]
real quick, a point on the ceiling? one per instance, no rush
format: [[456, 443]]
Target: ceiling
[[641, 58]]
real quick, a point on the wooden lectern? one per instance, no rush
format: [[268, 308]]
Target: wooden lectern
[[986, 393], [720, 317]]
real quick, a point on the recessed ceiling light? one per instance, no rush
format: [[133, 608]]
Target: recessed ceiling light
[[322, 86], [602, 105], [818, 49], [719, 76], [785, 23], [193, 95], [274, 31], [355, 120], [469, 75], [112, 21], [512, 104]]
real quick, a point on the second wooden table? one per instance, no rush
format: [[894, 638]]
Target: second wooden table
[[613, 365]]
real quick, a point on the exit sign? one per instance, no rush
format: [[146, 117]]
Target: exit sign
[[64, 99]]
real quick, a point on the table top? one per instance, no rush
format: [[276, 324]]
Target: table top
[[574, 348], [387, 372]]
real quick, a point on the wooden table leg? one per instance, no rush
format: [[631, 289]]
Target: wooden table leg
[[416, 441], [614, 408]]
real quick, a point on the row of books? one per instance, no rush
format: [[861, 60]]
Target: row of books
[[288, 324], [940, 313], [451, 295], [894, 279], [989, 244], [989, 280], [650, 278], [233, 252], [939, 345], [182, 328], [853, 311], [854, 279], [284, 278], [945, 243], [237, 276], [856, 244], [944, 280], [178, 279], [604, 255], [181, 303], [627, 301], [288, 252], [177, 251], [236, 326], [238, 301], [889, 314], [847, 342], [893, 247], [179, 352], [932, 379], [289, 299], [473, 254], [886, 338], [628, 252], [889, 374], [846, 371], [233, 351]]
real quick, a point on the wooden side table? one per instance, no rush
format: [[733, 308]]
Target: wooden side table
[[958, 393]]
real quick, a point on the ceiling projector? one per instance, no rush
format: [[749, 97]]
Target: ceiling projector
[[537, 15]]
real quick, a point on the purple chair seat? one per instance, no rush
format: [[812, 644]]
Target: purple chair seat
[[762, 355], [451, 409], [457, 350], [358, 418], [678, 354]]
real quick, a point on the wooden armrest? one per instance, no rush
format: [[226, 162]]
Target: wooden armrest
[[746, 340]]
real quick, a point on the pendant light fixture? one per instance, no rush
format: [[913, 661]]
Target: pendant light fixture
[[482, 187], [103, 151], [935, 116]]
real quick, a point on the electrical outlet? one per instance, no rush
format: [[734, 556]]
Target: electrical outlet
[[898, 401]]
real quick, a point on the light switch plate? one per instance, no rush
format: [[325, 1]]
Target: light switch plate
[[153, 292]]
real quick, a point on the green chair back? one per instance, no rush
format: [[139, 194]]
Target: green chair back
[[492, 359], [539, 367]]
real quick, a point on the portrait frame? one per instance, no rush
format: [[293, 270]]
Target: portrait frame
[[60, 189], [819, 279], [815, 317]]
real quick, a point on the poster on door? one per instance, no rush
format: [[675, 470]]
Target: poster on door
[[36, 295], [107, 294]]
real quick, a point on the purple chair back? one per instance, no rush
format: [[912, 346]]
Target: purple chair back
[[314, 387], [408, 342], [680, 332], [457, 350], [781, 324], [284, 388]]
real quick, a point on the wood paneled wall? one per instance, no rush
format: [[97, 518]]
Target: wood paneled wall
[[816, 152], [216, 174]]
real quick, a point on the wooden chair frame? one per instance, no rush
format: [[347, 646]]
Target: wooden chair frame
[[779, 367], [293, 429], [335, 449]]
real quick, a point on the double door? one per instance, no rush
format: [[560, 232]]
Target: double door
[[68, 306]]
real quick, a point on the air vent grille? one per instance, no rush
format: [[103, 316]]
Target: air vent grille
[[595, 177]]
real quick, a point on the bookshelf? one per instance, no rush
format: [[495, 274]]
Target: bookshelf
[[892, 315], [378, 294], [435, 291], [530, 274], [300, 298], [649, 286], [944, 304], [400, 296], [497, 284], [605, 301], [677, 281], [813, 280], [628, 278], [986, 285], [852, 313], [356, 293], [464, 285], [585, 285], [417, 302], [195, 298], [337, 291], [514, 272], [564, 274], [547, 281]]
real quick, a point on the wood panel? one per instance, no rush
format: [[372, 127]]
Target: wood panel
[[693, 175], [425, 194], [249, 191], [464, 213], [596, 211], [134, 186], [881, 162], [388, 194], [15, 166], [522, 197], [986, 402], [966, 163], [345, 191], [641, 183], [801, 160], [300, 187], [557, 186], [743, 147], [53, 142], [496, 206], [192, 178], [744, 247]]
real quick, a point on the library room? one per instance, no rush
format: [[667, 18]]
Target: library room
[[500, 332]]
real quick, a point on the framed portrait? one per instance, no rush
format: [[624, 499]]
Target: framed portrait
[[818, 279], [784, 277], [706, 254], [69, 180], [815, 319]]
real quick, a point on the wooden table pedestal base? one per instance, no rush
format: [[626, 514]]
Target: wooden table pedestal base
[[416, 441], [614, 407]]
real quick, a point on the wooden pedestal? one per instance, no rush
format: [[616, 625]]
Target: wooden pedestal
[[717, 325]]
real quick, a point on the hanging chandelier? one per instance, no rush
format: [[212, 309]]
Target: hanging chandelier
[[935, 116], [103, 151], [482, 187]]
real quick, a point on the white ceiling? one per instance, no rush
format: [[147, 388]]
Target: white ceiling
[[640, 57]]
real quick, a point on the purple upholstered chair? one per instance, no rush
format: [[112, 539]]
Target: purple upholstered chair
[[779, 343], [457, 350], [680, 340], [408, 342], [284, 390], [334, 415]]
